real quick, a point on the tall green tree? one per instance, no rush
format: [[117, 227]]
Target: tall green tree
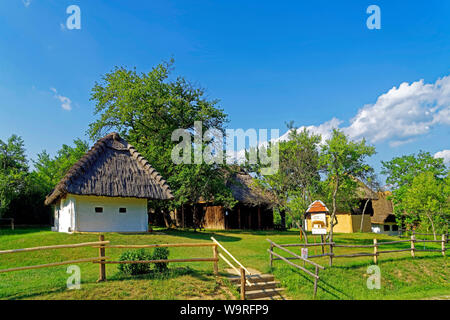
[[401, 171], [49, 171], [13, 171], [146, 108], [428, 197], [296, 182], [344, 161]]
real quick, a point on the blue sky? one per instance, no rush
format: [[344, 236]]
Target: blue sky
[[267, 61]]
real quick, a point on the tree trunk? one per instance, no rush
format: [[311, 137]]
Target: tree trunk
[[333, 215], [302, 231], [432, 225], [362, 216]]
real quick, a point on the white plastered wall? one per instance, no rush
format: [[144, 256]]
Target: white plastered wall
[[110, 220]]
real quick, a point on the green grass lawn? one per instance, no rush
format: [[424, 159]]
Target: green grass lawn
[[402, 277]]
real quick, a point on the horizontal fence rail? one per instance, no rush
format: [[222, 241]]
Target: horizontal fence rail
[[53, 247], [376, 246]]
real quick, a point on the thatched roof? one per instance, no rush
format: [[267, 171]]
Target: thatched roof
[[382, 209], [245, 190], [364, 192], [112, 168]]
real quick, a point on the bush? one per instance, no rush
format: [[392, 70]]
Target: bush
[[161, 254], [135, 268]]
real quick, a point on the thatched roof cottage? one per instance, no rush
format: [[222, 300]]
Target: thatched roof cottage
[[383, 219], [107, 190], [254, 209]]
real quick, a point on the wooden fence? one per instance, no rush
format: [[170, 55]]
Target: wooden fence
[[54, 264], [240, 269], [376, 248], [315, 275], [407, 234], [103, 260]]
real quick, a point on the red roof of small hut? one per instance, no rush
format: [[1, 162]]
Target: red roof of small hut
[[317, 207]]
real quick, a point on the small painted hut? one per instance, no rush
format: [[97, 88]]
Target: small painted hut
[[107, 190]]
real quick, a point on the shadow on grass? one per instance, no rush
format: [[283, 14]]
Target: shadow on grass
[[24, 230], [224, 235], [172, 273]]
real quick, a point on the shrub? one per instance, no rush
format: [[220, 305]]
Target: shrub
[[160, 254], [135, 268]]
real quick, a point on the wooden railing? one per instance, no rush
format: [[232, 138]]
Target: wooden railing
[[54, 264], [295, 256], [103, 261], [240, 269], [376, 245]]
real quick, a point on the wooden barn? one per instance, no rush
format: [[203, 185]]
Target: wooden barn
[[107, 190], [254, 209]]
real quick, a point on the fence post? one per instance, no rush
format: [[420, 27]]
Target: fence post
[[375, 251], [271, 255], [216, 260], [443, 245], [413, 238], [331, 253], [242, 284], [323, 246], [12, 223], [315, 282], [102, 266]]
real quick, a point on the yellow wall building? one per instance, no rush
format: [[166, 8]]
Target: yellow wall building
[[347, 223]]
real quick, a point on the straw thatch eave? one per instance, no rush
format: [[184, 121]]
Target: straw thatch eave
[[245, 191], [382, 209], [112, 168]]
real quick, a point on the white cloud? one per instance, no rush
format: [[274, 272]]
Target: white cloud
[[26, 3], [66, 103], [403, 113], [445, 154]]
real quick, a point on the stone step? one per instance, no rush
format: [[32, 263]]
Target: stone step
[[265, 293], [260, 285], [253, 278]]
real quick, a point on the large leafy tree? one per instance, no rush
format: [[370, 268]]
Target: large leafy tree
[[343, 162], [428, 198], [401, 171], [49, 171], [296, 182], [13, 171], [146, 108]]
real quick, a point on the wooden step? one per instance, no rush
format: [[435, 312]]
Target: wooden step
[[263, 293], [260, 285], [253, 278]]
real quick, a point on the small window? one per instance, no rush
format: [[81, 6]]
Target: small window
[[98, 209], [387, 227], [395, 227], [122, 210]]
